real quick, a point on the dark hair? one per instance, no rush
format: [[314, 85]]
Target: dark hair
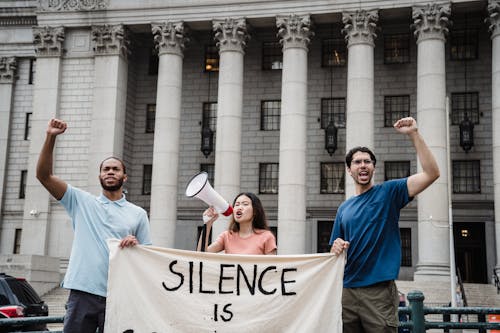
[[114, 158], [348, 157], [259, 215]]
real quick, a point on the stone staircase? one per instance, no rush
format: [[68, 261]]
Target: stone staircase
[[56, 300], [437, 293]]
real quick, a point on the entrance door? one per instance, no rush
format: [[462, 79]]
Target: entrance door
[[470, 251]]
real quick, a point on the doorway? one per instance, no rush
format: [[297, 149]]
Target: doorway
[[470, 251]]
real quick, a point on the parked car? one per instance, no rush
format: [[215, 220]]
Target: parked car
[[19, 299]]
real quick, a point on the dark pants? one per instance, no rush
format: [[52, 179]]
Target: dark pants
[[371, 309], [85, 312]]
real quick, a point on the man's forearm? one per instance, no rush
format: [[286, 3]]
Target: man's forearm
[[45, 160], [425, 155]]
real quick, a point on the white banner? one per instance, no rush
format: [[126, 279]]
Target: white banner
[[152, 289]]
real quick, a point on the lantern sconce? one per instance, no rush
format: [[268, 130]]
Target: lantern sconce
[[331, 138], [466, 134]]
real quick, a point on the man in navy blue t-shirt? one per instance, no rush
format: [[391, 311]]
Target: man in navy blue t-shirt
[[366, 226]]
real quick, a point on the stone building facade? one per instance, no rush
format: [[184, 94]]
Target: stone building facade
[[142, 81]]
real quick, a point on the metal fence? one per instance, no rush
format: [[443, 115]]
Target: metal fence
[[416, 313]]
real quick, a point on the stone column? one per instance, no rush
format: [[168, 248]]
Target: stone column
[[433, 232], [494, 27], [170, 39], [294, 33], [231, 36], [107, 131], [7, 70], [48, 46], [359, 28]]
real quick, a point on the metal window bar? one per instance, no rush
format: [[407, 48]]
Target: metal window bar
[[270, 115], [210, 115], [272, 56], [334, 52], [464, 103], [147, 176], [405, 247], [332, 178], [397, 48], [150, 118], [395, 107], [396, 169], [268, 178], [466, 177], [333, 109], [464, 44]]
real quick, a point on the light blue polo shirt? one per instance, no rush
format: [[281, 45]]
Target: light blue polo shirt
[[94, 220]]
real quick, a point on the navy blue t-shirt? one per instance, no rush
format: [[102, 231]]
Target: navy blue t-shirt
[[369, 222]]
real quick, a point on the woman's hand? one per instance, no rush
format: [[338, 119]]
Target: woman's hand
[[210, 215]]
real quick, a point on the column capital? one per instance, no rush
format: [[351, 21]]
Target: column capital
[[294, 30], [48, 41], [231, 34], [110, 40], [170, 37], [360, 27], [8, 67], [493, 18], [431, 21]]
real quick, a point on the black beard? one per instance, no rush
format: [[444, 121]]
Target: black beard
[[111, 188]]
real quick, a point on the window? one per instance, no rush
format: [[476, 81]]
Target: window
[[270, 112], [210, 115], [333, 109], [147, 176], [334, 52], [395, 108], [462, 104], [272, 56], [397, 49], [22, 184], [209, 168], [211, 58], [396, 169], [31, 77], [463, 44], [150, 118], [324, 233], [27, 126], [154, 62], [405, 246], [466, 177], [17, 241], [268, 178], [332, 178]]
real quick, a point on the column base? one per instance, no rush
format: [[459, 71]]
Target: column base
[[435, 273], [42, 272]]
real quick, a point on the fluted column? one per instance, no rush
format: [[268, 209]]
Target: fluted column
[[231, 36], [359, 28], [7, 70], [107, 134], [294, 33], [431, 24], [170, 39], [48, 46], [494, 26]]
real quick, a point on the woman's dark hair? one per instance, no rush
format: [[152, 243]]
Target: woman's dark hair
[[259, 215], [348, 157]]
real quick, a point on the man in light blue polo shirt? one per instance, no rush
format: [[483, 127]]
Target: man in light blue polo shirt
[[94, 220]]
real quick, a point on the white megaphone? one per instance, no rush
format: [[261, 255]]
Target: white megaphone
[[200, 187]]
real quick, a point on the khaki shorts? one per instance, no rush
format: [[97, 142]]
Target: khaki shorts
[[370, 309]]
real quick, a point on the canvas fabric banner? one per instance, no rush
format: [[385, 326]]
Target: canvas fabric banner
[[152, 289]]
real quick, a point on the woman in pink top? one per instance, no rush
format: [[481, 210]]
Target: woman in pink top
[[248, 232]]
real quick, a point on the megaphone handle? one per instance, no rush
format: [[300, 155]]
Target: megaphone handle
[[203, 237]]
